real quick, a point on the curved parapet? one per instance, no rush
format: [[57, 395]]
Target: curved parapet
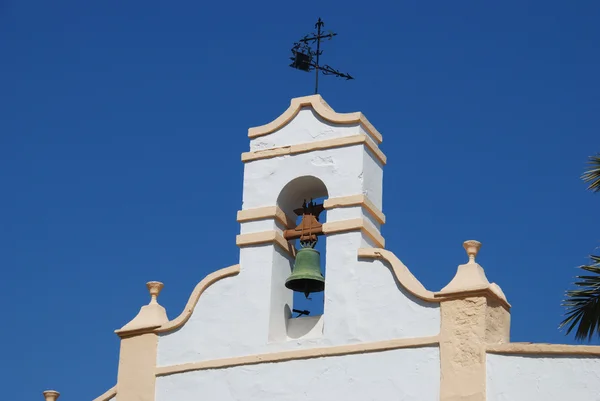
[[414, 286], [403, 275], [324, 111], [108, 395], [195, 296]]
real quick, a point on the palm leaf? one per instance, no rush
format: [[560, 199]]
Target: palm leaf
[[592, 175], [583, 303]]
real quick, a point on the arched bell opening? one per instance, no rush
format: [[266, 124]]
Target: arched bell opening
[[299, 189], [302, 199], [314, 302]]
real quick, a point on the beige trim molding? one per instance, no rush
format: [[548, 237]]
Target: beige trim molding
[[264, 237], [544, 349], [300, 354], [195, 296], [273, 236], [414, 286], [403, 275], [110, 393], [313, 146], [362, 224], [324, 111], [487, 292], [266, 212], [462, 349], [356, 200]]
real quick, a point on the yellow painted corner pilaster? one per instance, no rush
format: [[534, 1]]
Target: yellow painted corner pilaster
[[462, 351], [469, 325], [136, 377], [475, 314]]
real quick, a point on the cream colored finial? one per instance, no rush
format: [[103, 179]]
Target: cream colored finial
[[51, 395], [471, 276], [154, 287], [472, 247], [150, 316]]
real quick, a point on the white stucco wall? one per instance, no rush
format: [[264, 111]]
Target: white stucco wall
[[306, 127], [231, 317], [340, 169], [363, 301], [350, 213], [549, 378], [260, 225], [249, 313], [403, 374], [372, 178], [281, 299]]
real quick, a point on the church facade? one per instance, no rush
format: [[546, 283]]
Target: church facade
[[382, 335]]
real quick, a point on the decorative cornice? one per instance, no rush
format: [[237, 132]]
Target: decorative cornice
[[362, 224], [356, 200], [264, 237], [110, 393], [490, 291], [403, 275], [274, 237], [195, 296], [301, 354], [266, 212], [324, 111], [543, 349], [313, 146]]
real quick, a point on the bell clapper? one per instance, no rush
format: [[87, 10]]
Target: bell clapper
[[301, 312]]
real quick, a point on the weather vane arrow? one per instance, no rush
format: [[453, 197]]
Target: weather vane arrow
[[304, 58]]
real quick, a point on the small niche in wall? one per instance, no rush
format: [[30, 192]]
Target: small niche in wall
[[303, 316]]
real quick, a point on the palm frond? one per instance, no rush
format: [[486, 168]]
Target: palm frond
[[583, 304], [592, 175]]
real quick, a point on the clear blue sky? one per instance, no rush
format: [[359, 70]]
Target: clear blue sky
[[118, 153]]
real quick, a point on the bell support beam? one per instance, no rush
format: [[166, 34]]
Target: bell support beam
[[293, 234], [309, 228], [275, 237]]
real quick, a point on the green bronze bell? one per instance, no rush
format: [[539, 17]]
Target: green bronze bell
[[306, 275]]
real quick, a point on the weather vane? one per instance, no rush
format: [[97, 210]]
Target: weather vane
[[306, 59]]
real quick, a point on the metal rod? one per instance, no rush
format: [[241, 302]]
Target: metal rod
[[303, 57], [314, 38], [319, 25]]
